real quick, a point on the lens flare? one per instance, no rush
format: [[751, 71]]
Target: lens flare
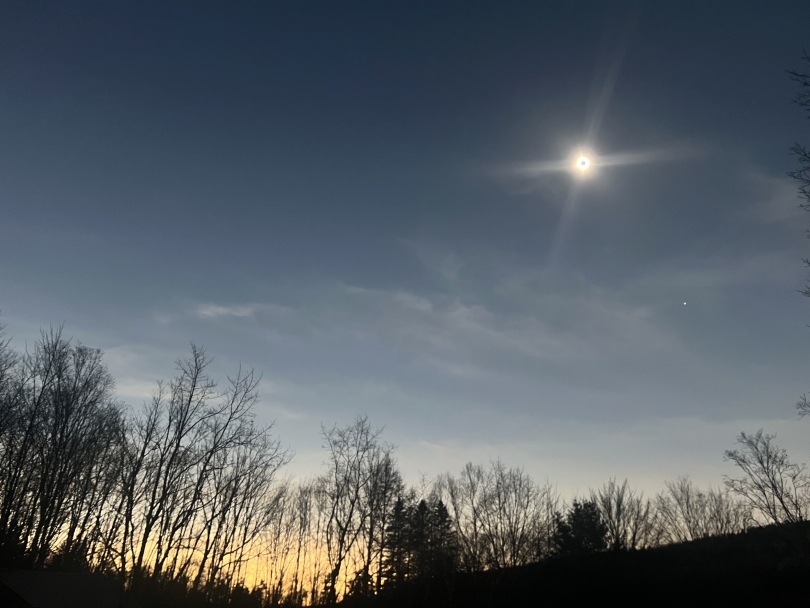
[[583, 162]]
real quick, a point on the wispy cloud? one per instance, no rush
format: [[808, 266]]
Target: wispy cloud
[[712, 274], [777, 199], [214, 311], [551, 450], [464, 336]]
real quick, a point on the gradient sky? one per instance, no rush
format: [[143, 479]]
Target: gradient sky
[[327, 192]]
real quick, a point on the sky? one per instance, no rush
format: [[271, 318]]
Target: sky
[[344, 197]]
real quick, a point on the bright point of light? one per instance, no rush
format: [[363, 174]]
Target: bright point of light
[[583, 162], [684, 303]]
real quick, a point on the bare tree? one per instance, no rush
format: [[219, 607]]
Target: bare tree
[[384, 486], [502, 518], [686, 512], [628, 517], [190, 486], [548, 503], [9, 386], [14, 409], [509, 516], [775, 488], [59, 421], [176, 417], [466, 498], [343, 487], [186, 490], [95, 486], [289, 545], [727, 514], [802, 174]]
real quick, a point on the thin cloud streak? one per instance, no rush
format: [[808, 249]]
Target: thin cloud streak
[[214, 311], [535, 169], [655, 155]]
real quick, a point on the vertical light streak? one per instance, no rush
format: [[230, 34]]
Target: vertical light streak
[[600, 101], [563, 228], [596, 114]]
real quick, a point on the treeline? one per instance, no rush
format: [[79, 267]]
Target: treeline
[[181, 490], [184, 497]]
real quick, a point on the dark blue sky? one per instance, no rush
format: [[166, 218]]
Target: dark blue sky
[[327, 192]]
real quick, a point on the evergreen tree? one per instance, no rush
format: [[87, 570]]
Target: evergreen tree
[[443, 541], [580, 531], [420, 542], [395, 559], [420, 528]]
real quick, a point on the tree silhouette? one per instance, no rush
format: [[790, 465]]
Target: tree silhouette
[[802, 174], [58, 428], [421, 542], [775, 487], [443, 541], [353, 452], [629, 518], [581, 530], [395, 559], [501, 517], [181, 499]]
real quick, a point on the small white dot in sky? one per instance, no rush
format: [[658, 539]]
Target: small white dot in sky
[[684, 303]]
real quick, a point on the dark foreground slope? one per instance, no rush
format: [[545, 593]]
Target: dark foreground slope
[[764, 566]]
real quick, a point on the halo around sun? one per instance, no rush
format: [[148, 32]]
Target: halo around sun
[[582, 163]]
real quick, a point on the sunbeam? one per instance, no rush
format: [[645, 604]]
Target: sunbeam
[[563, 229], [600, 100], [584, 161]]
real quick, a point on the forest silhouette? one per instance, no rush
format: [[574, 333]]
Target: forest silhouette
[[184, 502]]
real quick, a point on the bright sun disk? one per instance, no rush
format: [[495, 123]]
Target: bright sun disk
[[583, 163]]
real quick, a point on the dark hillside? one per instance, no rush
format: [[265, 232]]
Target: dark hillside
[[767, 566]]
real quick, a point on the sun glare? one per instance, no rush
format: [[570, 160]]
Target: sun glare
[[583, 163]]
